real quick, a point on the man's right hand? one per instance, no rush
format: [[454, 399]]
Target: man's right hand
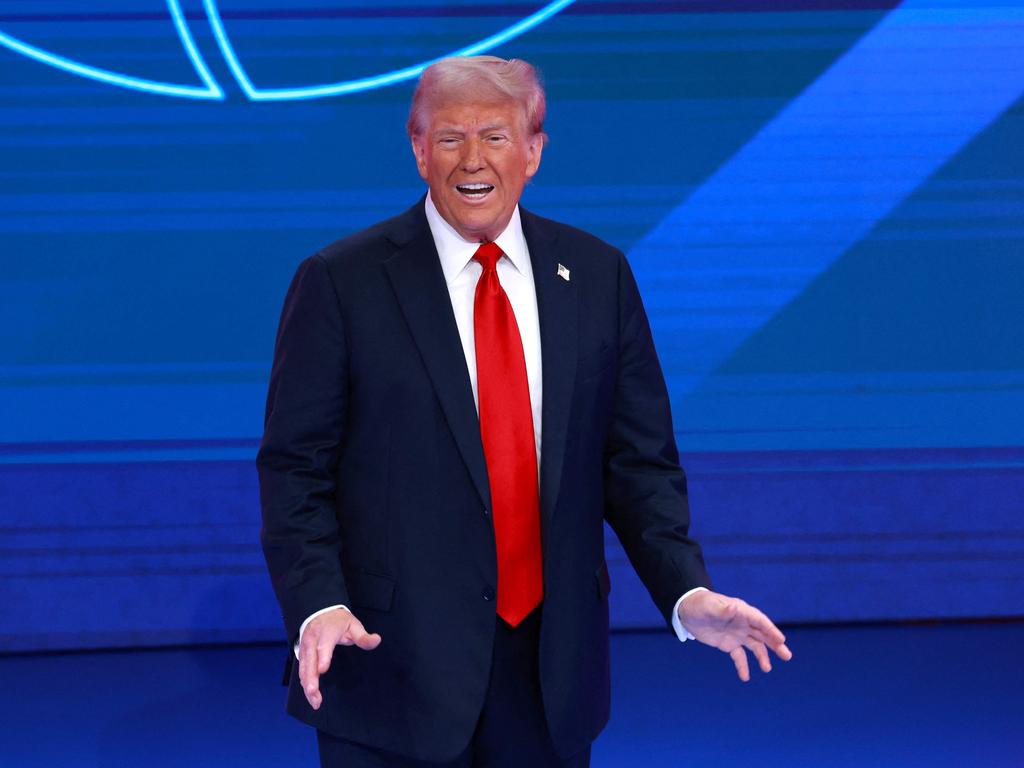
[[316, 648]]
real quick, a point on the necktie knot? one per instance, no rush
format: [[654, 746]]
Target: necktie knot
[[488, 254]]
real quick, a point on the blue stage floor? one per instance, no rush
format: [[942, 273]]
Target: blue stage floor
[[944, 695]]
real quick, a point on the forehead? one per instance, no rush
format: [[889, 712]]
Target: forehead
[[470, 115]]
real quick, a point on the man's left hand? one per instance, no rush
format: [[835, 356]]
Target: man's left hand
[[730, 625]]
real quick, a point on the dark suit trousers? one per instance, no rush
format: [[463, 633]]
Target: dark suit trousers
[[511, 732]]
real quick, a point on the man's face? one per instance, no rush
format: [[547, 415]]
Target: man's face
[[476, 158]]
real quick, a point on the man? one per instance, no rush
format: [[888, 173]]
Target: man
[[460, 397]]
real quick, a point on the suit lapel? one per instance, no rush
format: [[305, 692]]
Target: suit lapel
[[559, 330], [418, 281]]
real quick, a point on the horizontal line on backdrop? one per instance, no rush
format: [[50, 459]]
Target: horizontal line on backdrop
[[746, 559], [787, 430], [707, 463], [200, 455], [78, 369], [805, 536], [91, 446], [839, 536], [756, 558], [753, 558], [475, 10], [76, 529], [916, 621], [909, 467], [76, 550], [226, 570]]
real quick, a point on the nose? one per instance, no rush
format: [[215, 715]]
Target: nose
[[472, 157]]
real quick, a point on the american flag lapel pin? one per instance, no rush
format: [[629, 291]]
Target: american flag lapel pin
[[563, 272]]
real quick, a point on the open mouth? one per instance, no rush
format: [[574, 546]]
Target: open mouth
[[474, 191]]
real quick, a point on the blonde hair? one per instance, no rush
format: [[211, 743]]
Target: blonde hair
[[466, 79]]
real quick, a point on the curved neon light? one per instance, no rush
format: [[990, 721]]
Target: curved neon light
[[210, 91], [366, 83]]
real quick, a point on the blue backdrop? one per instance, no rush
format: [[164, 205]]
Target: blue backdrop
[[823, 203]]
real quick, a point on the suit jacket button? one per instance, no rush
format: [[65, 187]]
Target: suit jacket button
[[487, 594]]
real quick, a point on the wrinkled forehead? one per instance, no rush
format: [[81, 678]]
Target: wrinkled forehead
[[475, 111]]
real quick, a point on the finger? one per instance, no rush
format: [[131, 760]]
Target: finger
[[778, 646], [304, 655], [760, 653], [771, 635], [739, 658], [310, 678], [324, 654], [766, 638]]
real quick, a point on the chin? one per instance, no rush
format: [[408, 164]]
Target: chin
[[478, 230]]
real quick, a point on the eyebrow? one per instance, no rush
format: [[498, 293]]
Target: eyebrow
[[501, 125], [460, 130]]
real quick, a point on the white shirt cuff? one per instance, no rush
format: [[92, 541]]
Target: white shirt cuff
[[681, 632], [325, 610]]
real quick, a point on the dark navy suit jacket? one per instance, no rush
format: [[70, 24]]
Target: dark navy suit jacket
[[375, 495]]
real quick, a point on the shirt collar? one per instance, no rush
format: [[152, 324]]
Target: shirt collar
[[455, 252]]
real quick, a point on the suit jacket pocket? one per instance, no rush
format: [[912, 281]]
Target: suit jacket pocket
[[370, 590], [604, 581]]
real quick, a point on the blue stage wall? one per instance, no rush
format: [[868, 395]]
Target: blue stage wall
[[823, 203]]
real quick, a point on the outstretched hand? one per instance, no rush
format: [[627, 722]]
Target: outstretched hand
[[316, 649], [731, 625]]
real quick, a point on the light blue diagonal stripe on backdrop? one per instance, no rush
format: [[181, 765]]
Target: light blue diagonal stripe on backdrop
[[900, 103]]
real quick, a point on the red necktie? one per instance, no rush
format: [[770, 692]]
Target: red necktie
[[506, 427]]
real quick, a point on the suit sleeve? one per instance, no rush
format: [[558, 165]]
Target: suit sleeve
[[645, 487], [302, 440]]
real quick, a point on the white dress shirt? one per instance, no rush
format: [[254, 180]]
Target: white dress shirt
[[515, 273]]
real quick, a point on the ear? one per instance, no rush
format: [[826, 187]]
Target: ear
[[534, 149], [420, 152]]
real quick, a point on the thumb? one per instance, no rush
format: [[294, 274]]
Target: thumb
[[368, 641], [361, 638]]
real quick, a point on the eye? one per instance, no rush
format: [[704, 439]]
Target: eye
[[448, 141], [496, 138]]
